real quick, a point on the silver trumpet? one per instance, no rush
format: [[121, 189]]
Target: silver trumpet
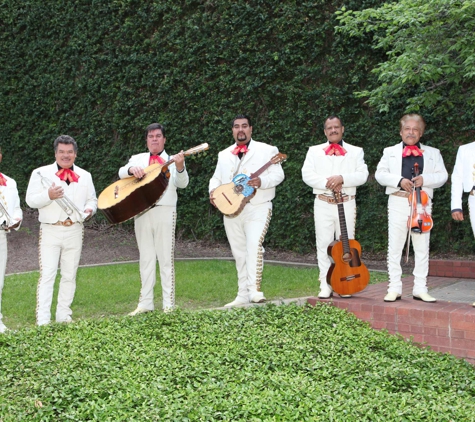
[[68, 206], [7, 220]]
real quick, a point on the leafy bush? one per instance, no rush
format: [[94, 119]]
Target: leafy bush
[[102, 71], [261, 363]]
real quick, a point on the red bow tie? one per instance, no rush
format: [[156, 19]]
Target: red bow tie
[[239, 148], [67, 175], [155, 159], [335, 149], [411, 150], [3, 181]]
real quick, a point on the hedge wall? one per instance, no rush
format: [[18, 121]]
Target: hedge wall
[[101, 71]]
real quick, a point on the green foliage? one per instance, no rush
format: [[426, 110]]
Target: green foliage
[[263, 363], [102, 71], [429, 47]]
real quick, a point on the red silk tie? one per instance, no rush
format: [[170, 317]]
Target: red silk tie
[[335, 149], [155, 159], [411, 150], [67, 175], [3, 181], [239, 148]]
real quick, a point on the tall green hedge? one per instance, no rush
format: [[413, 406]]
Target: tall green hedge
[[103, 70]]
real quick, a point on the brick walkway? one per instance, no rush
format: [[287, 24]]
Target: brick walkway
[[445, 326]]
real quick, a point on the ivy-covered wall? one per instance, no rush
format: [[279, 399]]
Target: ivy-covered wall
[[101, 71]]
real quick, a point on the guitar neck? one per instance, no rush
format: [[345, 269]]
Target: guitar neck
[[192, 151], [344, 231], [261, 170]]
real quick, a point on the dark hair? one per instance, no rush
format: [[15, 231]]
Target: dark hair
[[333, 116], [155, 126], [67, 140], [242, 116]]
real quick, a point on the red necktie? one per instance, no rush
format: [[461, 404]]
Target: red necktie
[[67, 175], [155, 159], [3, 181], [239, 149], [335, 149], [411, 150]]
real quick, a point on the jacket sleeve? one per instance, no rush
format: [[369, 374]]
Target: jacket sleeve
[[274, 175], [383, 173], [360, 175], [37, 194], [457, 182]]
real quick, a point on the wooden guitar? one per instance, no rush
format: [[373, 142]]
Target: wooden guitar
[[347, 274], [232, 197], [129, 197]]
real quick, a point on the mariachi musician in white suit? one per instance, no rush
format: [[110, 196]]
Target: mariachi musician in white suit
[[395, 172], [155, 228], [463, 180], [10, 216], [65, 196], [246, 232], [333, 166]]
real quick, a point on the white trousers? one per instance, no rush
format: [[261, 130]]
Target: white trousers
[[3, 265], [155, 234], [471, 208], [398, 214], [58, 244], [246, 234], [327, 229]]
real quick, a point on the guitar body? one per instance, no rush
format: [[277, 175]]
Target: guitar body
[[128, 197], [347, 274], [231, 198]]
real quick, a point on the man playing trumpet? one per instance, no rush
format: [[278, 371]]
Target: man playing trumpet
[[10, 217], [64, 195]]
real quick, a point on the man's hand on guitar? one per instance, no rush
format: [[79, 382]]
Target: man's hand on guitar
[[211, 198], [179, 160], [255, 182], [334, 183], [138, 172]]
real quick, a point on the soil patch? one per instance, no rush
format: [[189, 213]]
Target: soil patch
[[105, 244]]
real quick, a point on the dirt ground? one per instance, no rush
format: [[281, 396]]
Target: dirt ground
[[106, 244]]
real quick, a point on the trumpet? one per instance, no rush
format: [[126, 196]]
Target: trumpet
[[7, 220], [68, 206]]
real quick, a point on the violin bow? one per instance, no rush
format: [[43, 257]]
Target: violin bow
[[408, 243]]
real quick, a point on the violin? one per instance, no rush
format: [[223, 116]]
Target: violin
[[419, 220]]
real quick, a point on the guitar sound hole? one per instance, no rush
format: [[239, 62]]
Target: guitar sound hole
[[238, 189]]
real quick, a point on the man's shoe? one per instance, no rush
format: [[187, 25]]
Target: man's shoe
[[168, 309], [392, 297], [139, 311], [237, 302], [425, 297], [325, 293], [473, 304], [3, 328], [258, 298]]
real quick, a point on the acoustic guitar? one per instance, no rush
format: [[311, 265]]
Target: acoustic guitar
[[129, 197], [347, 274], [232, 197]]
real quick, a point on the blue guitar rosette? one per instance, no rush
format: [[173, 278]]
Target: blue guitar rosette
[[241, 186]]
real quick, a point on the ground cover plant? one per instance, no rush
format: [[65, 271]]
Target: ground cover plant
[[262, 363], [110, 290]]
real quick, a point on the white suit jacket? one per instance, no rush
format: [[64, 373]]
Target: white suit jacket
[[177, 180], [11, 201], [463, 175], [318, 166], [259, 154], [389, 170], [82, 194]]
